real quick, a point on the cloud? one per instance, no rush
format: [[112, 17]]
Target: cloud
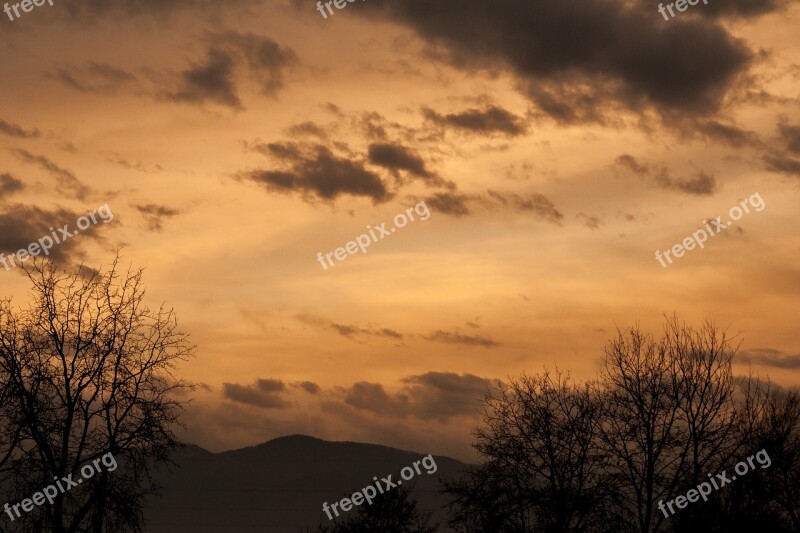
[[631, 163], [15, 130], [155, 215], [590, 221], [9, 185], [535, 203], [397, 157], [209, 81], [782, 158], [263, 394], [314, 171], [769, 357], [93, 78], [433, 395], [67, 181], [266, 59], [214, 79], [348, 331], [492, 119], [459, 205], [583, 62], [449, 203], [730, 135], [701, 185], [456, 338], [22, 225], [308, 386]]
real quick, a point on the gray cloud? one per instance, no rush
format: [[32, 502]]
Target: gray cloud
[[214, 79], [582, 62], [398, 157], [308, 386], [263, 394], [433, 395], [93, 78], [771, 358], [15, 130], [155, 215], [209, 81], [67, 181], [315, 172], [492, 119], [22, 225], [447, 337], [9, 185], [701, 185]]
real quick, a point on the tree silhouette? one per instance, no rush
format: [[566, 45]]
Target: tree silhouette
[[88, 369], [393, 511], [663, 415]]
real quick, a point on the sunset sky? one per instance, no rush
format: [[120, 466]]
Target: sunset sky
[[557, 144]]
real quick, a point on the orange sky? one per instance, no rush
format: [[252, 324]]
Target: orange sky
[[234, 141]]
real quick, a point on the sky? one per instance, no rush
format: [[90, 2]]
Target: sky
[[554, 145]]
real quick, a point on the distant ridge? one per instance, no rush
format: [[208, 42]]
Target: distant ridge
[[279, 485]]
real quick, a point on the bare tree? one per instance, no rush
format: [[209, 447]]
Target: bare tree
[[90, 368], [540, 442]]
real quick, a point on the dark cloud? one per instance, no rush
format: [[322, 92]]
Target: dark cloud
[[306, 129], [348, 331], [769, 357], [93, 78], [155, 215], [308, 386], [456, 338], [22, 225], [492, 119], [449, 203], [353, 331], [782, 164], [741, 8], [209, 81], [590, 221], [790, 137], [535, 203], [159, 10], [67, 182], [433, 395], [214, 79], [266, 60], [263, 394], [782, 158], [583, 61], [730, 135], [270, 385], [459, 205], [701, 185], [9, 185], [373, 397], [314, 171], [15, 130], [631, 163], [397, 157]]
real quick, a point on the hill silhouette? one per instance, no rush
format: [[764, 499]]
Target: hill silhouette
[[279, 485]]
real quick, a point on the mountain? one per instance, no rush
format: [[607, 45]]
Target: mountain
[[280, 486]]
